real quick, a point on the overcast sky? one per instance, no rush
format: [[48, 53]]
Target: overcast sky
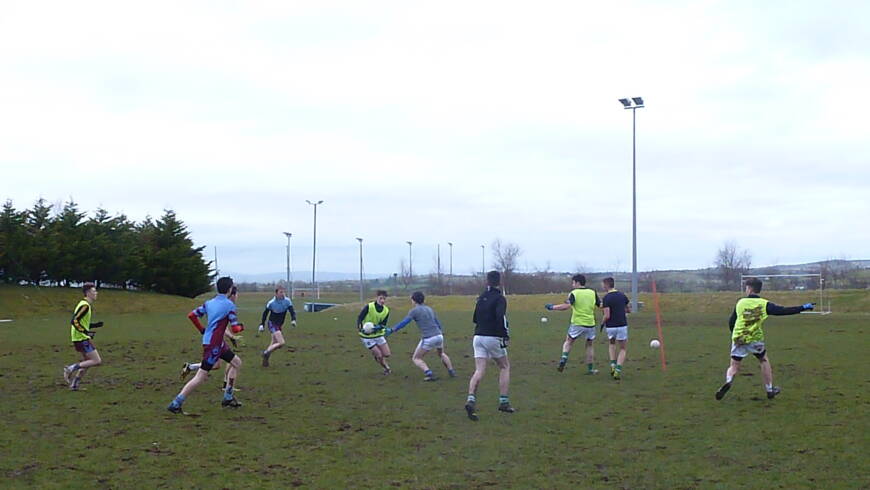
[[449, 121]]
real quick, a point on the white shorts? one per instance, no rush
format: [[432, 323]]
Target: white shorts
[[488, 347], [618, 333], [369, 343], [430, 343], [587, 333], [743, 350]]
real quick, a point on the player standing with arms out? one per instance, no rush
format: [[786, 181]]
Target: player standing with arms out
[[221, 313], [491, 335], [81, 335], [747, 335], [276, 310], [432, 336], [377, 314], [615, 305], [582, 302]]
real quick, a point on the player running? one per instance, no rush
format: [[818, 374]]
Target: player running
[[81, 335], [615, 305], [233, 335], [747, 335], [582, 302], [431, 336], [221, 312], [376, 313], [491, 335], [276, 310]]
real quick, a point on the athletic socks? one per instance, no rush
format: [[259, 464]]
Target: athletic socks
[[503, 399], [768, 388], [564, 358], [178, 400], [729, 379], [73, 367], [619, 367], [194, 366], [472, 398], [613, 364], [428, 372], [590, 367], [452, 373], [228, 394]]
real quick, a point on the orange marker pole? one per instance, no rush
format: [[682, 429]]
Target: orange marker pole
[[659, 325]]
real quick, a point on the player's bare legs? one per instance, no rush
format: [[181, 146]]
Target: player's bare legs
[[479, 371], [504, 375], [277, 342], [446, 361], [733, 369], [90, 359], [620, 359], [199, 378], [381, 353], [590, 352], [417, 358]]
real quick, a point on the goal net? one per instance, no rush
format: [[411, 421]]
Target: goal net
[[811, 284]]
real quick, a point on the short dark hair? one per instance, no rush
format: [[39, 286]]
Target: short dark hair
[[755, 284], [418, 297], [381, 292], [579, 278], [608, 281], [87, 287], [224, 284], [493, 278]]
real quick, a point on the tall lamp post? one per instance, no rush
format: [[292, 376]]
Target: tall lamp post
[[289, 272], [633, 104], [410, 262], [483, 261], [314, 249], [450, 276], [361, 283]]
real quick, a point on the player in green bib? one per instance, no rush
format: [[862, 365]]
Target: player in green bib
[[81, 334], [747, 334], [582, 302], [375, 341]]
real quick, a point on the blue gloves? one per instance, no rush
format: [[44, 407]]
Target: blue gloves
[[808, 306], [548, 306], [388, 331]]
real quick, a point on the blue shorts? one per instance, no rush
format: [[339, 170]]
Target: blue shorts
[[84, 346], [275, 327]]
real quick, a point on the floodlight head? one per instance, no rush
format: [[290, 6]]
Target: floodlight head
[[320, 201], [288, 235], [450, 243], [625, 102], [637, 100], [359, 239], [409, 243]]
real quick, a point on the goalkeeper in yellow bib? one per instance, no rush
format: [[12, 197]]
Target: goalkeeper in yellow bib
[[747, 335], [582, 302], [81, 334], [375, 341]]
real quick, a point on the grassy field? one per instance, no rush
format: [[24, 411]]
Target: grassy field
[[323, 416]]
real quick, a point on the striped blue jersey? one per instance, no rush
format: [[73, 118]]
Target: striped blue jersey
[[220, 312]]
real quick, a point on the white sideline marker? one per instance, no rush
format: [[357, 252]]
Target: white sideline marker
[[5, 321]]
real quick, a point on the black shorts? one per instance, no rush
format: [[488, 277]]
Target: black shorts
[[211, 354]]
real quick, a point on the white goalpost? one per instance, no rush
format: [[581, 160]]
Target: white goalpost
[[797, 282]]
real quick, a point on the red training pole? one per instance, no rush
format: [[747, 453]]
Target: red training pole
[[659, 325]]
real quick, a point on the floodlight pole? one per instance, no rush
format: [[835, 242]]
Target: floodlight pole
[[637, 104], [314, 249], [361, 282], [289, 272], [483, 261], [450, 276], [410, 262]]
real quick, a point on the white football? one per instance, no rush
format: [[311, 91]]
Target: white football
[[368, 327], [544, 319], [655, 344]]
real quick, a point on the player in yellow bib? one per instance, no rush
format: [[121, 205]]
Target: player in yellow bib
[[375, 341], [81, 334], [747, 334], [582, 302]]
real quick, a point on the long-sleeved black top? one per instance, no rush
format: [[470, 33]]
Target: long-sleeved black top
[[490, 314], [772, 309]]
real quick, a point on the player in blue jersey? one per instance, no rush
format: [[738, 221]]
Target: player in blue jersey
[[276, 310], [232, 335], [221, 313]]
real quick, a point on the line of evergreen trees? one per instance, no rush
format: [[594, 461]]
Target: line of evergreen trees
[[39, 246]]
